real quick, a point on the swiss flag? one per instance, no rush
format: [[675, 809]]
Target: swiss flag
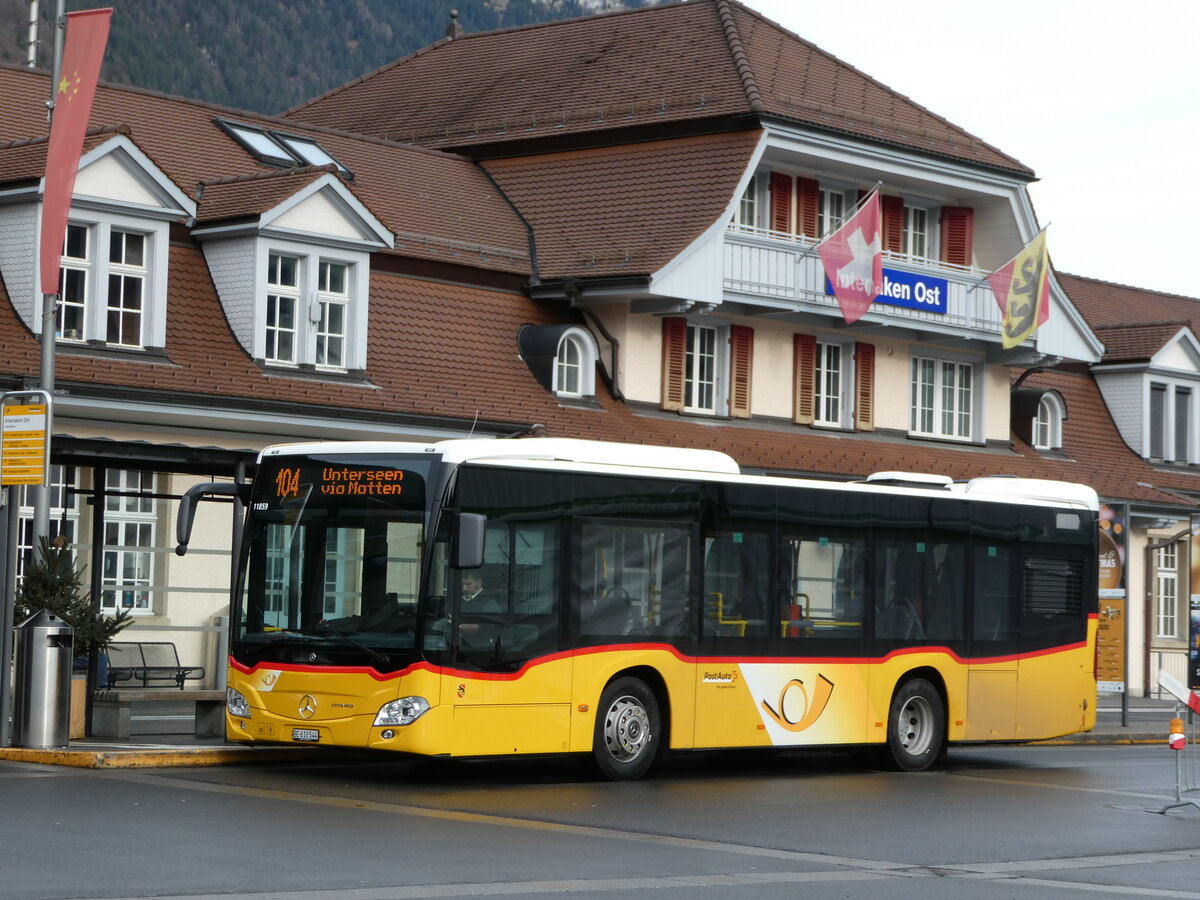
[[853, 259], [87, 35]]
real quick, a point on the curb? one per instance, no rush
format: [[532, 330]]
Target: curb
[[150, 757]]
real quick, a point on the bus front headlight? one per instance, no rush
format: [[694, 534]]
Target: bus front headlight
[[237, 704], [404, 711]]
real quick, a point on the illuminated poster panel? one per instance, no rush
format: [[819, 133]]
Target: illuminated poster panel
[[1110, 637]]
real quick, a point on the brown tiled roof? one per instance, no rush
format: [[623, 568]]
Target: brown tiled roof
[[707, 59], [1103, 303], [441, 202], [625, 210], [1134, 342], [1098, 456], [1134, 323], [252, 195]]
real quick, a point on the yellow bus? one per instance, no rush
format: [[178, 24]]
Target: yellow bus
[[474, 598]]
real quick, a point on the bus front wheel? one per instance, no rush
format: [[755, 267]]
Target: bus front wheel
[[627, 739], [916, 726]]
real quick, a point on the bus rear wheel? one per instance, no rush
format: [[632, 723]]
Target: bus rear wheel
[[916, 726], [626, 740]]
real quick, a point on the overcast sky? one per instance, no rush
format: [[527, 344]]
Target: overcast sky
[[1101, 98]]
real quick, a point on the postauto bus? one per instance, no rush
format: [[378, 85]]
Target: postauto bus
[[475, 598]]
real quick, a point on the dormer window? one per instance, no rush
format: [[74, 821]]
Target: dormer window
[[1047, 426], [283, 297], [333, 298], [104, 274], [308, 310]]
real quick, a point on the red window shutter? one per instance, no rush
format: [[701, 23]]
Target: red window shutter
[[781, 202], [808, 201], [957, 222], [864, 386], [674, 360], [741, 365], [893, 223], [804, 354]]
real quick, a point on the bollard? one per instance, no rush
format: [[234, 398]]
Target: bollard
[[43, 697], [1176, 739]]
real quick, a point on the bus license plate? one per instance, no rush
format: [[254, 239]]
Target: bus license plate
[[305, 734]]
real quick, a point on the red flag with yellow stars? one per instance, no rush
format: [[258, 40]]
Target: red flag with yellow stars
[[1022, 289], [87, 35]]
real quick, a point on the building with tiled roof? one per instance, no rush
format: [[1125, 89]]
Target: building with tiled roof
[[599, 228]]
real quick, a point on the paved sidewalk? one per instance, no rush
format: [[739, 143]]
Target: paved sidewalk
[[1145, 721]]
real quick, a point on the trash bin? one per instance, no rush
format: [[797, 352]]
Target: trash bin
[[44, 651]]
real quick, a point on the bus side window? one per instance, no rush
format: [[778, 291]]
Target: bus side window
[[825, 587], [737, 568], [945, 589], [992, 606], [633, 579]]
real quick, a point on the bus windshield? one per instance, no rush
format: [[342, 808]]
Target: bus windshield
[[332, 572]]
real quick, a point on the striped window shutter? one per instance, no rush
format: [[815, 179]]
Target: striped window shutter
[[892, 209], [741, 366], [864, 386], [804, 353], [781, 202], [674, 362], [956, 234], [808, 202]]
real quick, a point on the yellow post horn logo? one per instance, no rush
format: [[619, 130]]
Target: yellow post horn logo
[[813, 706]]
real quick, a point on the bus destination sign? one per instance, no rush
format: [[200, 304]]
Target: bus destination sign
[[341, 481]]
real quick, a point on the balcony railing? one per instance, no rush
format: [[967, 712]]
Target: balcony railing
[[783, 272]]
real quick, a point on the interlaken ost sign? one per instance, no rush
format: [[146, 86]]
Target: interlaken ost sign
[[910, 290]]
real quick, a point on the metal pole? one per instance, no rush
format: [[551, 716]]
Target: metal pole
[[31, 46], [41, 495], [6, 619], [96, 582]]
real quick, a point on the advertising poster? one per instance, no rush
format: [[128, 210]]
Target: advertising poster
[[1194, 610], [1110, 637]]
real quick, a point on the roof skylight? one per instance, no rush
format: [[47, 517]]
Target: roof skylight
[[277, 148]]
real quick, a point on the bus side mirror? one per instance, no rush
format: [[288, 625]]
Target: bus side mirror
[[186, 516], [467, 544]]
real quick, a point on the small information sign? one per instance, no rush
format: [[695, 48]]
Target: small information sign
[[25, 439]]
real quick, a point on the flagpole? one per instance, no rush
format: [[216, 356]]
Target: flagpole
[[41, 493]]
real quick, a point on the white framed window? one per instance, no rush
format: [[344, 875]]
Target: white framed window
[[64, 514], [942, 400], [126, 287], [130, 523], [916, 240], [111, 284], [333, 298], [283, 298], [831, 210], [829, 403], [309, 315], [74, 272], [702, 366], [1048, 425], [1170, 422], [746, 215], [575, 364], [1166, 592]]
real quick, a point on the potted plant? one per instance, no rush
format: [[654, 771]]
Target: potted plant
[[53, 583]]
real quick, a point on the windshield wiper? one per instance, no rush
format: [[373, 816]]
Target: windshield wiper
[[346, 639]]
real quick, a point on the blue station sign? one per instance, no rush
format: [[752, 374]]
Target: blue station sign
[[910, 290]]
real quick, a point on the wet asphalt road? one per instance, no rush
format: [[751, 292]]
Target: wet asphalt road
[[1036, 822]]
